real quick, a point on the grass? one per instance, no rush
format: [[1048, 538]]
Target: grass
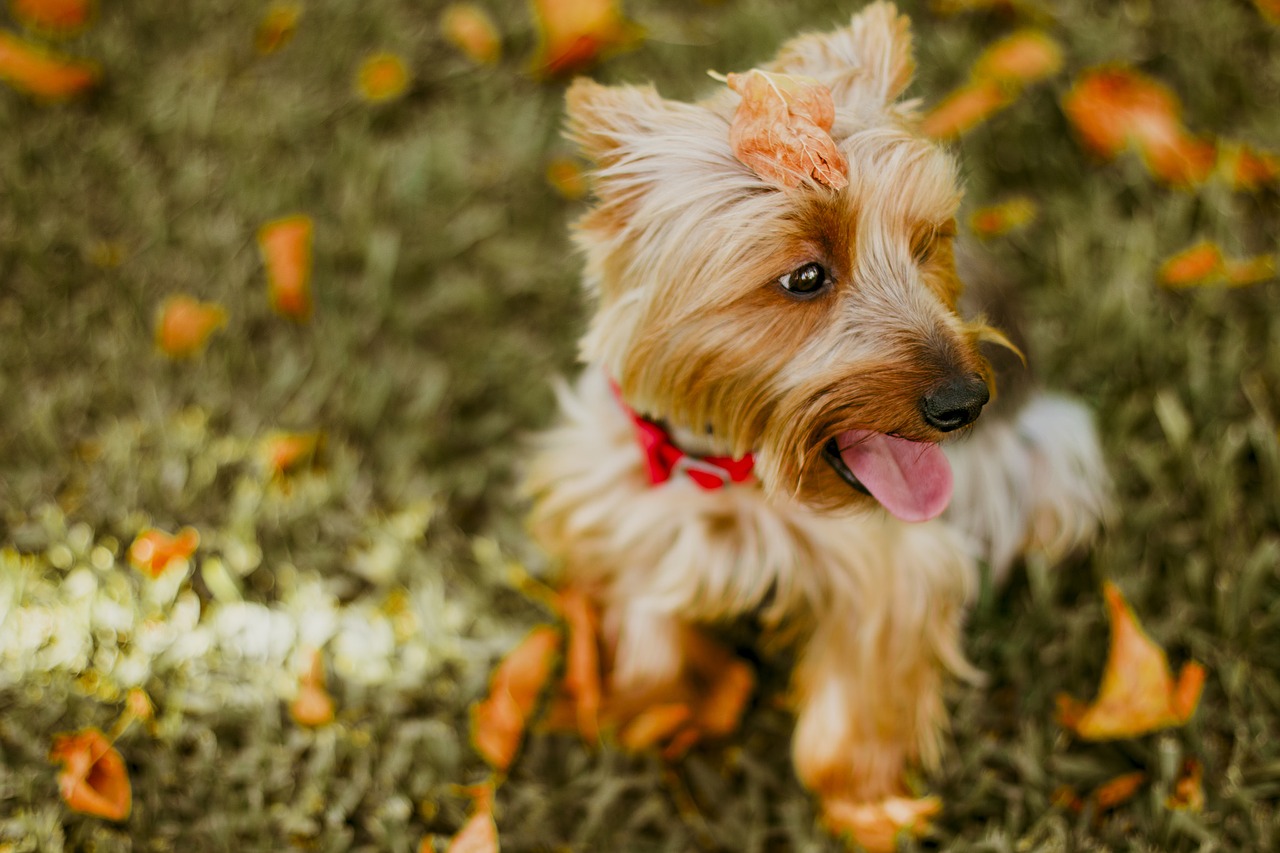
[[446, 299]]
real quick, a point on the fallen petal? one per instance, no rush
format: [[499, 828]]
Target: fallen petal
[[1137, 695], [1118, 790], [285, 245], [36, 71], [964, 109], [498, 722], [184, 325], [313, 706], [1021, 58], [382, 77], [277, 27], [55, 18], [153, 551], [999, 219], [93, 779], [573, 34], [1195, 265], [470, 29], [480, 833]]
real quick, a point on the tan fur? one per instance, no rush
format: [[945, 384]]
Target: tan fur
[[684, 247]]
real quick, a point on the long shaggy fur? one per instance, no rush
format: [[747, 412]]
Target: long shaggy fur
[[684, 248]]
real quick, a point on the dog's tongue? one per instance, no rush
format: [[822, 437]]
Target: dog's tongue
[[911, 479]]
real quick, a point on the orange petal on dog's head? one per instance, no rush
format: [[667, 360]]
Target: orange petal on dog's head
[[93, 778], [573, 34], [1138, 694], [782, 130]]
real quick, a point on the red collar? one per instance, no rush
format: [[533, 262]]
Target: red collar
[[664, 458]]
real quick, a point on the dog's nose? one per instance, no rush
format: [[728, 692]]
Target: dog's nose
[[955, 402]]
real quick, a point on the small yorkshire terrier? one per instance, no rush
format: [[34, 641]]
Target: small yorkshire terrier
[[771, 375]]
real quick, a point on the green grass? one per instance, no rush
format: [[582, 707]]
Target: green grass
[[446, 300]]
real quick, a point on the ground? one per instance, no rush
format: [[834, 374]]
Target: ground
[[445, 301]]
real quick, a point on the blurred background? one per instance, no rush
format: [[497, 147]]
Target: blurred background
[[291, 282]]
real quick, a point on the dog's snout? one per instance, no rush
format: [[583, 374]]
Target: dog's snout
[[955, 402]]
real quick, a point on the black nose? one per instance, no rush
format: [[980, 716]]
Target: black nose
[[955, 402]]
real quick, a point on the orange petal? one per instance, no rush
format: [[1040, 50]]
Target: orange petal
[[1188, 791], [1186, 694], [36, 71], [184, 324], [286, 250], [286, 451], [498, 722], [573, 34], [965, 108], [277, 27], [653, 725], [480, 833], [566, 177], [1118, 790], [382, 77], [313, 706], [1195, 265], [1108, 106], [138, 705], [877, 825], [1239, 272], [57, 18], [470, 29], [1248, 169], [782, 129], [582, 660], [1270, 10], [153, 550], [93, 779], [1137, 693], [1024, 57], [1178, 158], [997, 219], [1114, 107]]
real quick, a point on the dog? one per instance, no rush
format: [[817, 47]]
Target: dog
[[781, 417]]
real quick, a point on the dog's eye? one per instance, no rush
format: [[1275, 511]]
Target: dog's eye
[[806, 280]]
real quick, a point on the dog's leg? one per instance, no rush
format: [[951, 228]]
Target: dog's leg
[[869, 682]]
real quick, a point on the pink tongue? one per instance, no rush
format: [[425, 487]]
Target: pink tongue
[[911, 479]]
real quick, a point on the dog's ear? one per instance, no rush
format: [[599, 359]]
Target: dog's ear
[[866, 65], [605, 121]]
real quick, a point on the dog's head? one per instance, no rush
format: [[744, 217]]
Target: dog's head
[[816, 328]]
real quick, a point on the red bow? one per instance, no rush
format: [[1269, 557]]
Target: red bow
[[664, 458]]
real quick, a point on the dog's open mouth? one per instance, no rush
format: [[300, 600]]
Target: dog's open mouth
[[910, 479]]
